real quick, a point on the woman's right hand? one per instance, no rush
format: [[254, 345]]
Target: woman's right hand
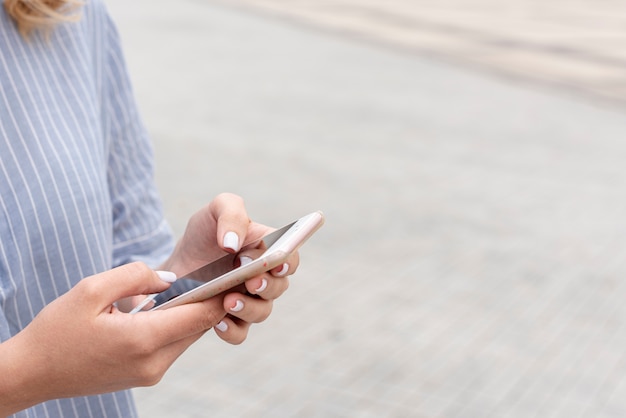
[[81, 344]]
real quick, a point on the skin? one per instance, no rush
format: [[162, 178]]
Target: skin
[[81, 344]]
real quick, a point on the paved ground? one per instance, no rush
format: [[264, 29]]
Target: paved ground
[[472, 264]]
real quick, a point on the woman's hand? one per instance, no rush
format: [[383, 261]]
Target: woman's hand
[[80, 344], [221, 227]]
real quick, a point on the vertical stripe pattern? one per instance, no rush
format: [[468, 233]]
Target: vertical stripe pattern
[[77, 195]]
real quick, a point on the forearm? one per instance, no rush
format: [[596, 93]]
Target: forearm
[[22, 381]]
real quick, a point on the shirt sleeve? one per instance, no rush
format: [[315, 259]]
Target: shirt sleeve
[[140, 231]]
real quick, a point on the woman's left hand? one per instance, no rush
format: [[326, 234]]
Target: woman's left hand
[[221, 227]]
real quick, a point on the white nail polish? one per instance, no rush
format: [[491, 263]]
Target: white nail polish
[[166, 276], [243, 260], [283, 270], [231, 240], [222, 326], [238, 306], [262, 287]]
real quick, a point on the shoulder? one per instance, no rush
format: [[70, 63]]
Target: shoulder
[[96, 19]]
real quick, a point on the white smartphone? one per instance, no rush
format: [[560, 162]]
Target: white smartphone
[[219, 275]]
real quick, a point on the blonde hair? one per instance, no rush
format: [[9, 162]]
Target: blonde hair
[[31, 15]]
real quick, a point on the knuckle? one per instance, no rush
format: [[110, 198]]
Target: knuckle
[[141, 345], [261, 312], [88, 289], [238, 340], [136, 268], [149, 373], [264, 315], [226, 197]]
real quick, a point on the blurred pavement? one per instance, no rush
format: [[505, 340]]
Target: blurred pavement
[[574, 46], [472, 263]]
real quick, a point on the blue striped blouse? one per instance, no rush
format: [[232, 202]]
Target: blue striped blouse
[[76, 178]]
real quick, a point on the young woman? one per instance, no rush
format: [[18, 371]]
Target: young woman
[[82, 230]]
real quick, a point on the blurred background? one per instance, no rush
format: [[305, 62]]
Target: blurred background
[[469, 156]]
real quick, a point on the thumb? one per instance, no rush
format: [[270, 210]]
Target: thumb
[[132, 279]]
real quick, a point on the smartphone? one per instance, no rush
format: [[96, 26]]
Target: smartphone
[[220, 274]]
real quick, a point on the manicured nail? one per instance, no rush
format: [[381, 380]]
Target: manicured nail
[[283, 270], [238, 306], [166, 276], [231, 240], [262, 287], [222, 326], [244, 259]]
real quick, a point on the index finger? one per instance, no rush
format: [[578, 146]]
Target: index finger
[[232, 219]]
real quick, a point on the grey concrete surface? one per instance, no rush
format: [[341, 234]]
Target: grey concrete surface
[[472, 264]]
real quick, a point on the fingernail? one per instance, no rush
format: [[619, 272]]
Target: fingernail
[[222, 326], [244, 259], [231, 240], [262, 287], [283, 270], [166, 276], [238, 306]]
